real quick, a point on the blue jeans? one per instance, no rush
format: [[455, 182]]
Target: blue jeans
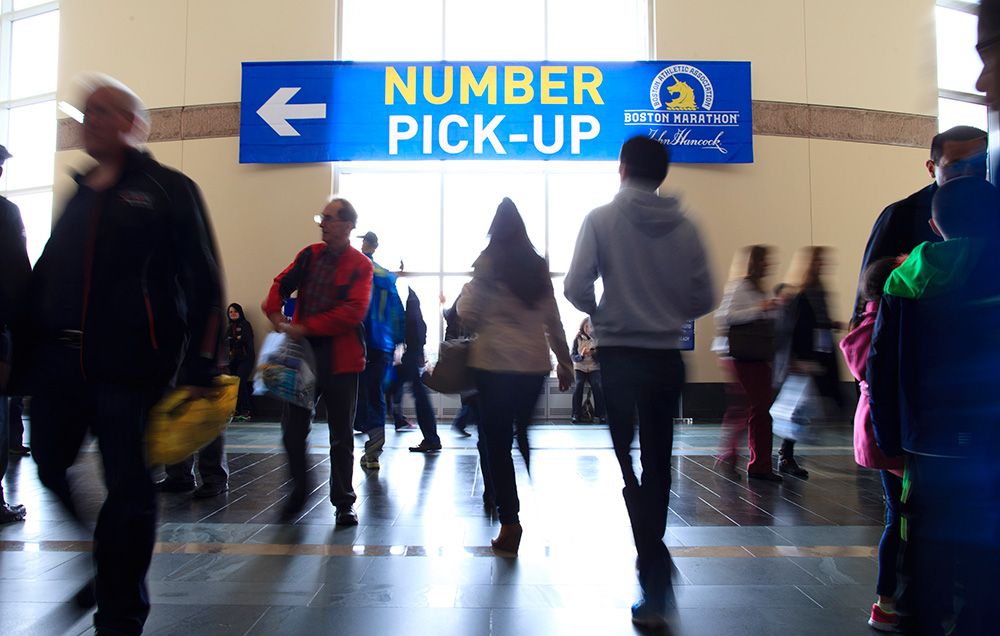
[[646, 383], [889, 544], [505, 398], [408, 371]]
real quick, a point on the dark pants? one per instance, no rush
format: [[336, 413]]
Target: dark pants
[[243, 369], [889, 545], [952, 515], [371, 396], [505, 398], [16, 423], [750, 395], [212, 465], [594, 378], [645, 384], [468, 414], [408, 372], [4, 439], [340, 392], [126, 526]]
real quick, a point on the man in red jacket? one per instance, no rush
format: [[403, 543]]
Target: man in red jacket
[[334, 285]]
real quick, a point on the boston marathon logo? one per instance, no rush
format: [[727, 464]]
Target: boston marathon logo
[[681, 97]]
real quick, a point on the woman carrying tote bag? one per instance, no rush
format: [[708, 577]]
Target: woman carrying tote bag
[[745, 344]]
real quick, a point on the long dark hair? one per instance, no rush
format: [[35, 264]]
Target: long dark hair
[[511, 258], [239, 308]]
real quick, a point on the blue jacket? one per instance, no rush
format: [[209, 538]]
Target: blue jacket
[[934, 365], [385, 322]]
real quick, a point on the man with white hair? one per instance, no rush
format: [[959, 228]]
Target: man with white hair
[[125, 301]]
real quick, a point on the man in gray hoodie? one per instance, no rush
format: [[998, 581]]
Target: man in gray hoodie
[[656, 277]]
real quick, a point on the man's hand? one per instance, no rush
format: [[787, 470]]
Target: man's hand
[[295, 332], [565, 375]]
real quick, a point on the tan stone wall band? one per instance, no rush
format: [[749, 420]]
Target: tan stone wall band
[[779, 119]]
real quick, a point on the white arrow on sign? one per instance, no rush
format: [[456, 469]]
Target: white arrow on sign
[[276, 111]]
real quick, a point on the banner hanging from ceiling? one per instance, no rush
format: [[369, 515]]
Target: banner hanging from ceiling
[[298, 112]]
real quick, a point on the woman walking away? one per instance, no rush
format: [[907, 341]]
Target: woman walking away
[[239, 336], [587, 370], [856, 346], [511, 307], [745, 321], [806, 331]]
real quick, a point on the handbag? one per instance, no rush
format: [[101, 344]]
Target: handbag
[[752, 341], [452, 374]]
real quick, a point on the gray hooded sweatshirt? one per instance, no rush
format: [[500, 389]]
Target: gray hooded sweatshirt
[[653, 265]]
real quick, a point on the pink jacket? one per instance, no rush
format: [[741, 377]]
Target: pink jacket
[[855, 346]]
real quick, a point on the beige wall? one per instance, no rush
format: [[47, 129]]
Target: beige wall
[[798, 191]]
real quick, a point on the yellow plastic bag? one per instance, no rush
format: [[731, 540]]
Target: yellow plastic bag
[[180, 426]]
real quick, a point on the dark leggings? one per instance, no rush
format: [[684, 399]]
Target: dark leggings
[[889, 545]]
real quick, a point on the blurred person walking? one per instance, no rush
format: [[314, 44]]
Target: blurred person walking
[[334, 285], [408, 373], [126, 297], [656, 277], [511, 307], [745, 321], [14, 272], [805, 344], [384, 328]]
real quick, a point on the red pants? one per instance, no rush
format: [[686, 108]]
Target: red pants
[[750, 396]]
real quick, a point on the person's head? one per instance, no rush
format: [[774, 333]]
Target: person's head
[[806, 267], [236, 312], [585, 326], [4, 156], [958, 152], [336, 223], [966, 207], [369, 243], [874, 277], [114, 119], [512, 257], [753, 263], [988, 46], [644, 162]]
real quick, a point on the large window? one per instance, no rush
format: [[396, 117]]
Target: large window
[[29, 45], [432, 216], [959, 103]]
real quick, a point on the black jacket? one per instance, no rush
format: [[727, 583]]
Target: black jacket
[[149, 283], [416, 331], [14, 269], [901, 227]]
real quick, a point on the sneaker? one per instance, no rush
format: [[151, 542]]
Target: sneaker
[[425, 447], [883, 621], [19, 451], [11, 514], [460, 430], [405, 425], [370, 464], [768, 476], [644, 615]]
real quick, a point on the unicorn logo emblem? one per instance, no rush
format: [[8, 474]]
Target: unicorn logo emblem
[[684, 99]]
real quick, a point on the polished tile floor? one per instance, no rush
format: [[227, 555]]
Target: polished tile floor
[[791, 558]]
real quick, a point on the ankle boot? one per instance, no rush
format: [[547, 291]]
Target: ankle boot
[[509, 539]]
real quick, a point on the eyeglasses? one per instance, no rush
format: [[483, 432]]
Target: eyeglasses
[[326, 218]]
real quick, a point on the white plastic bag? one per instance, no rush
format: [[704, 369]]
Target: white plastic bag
[[286, 369], [799, 410]]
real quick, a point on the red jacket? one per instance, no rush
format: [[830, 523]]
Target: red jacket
[[342, 323]]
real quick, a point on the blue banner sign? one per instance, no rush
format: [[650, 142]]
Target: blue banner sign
[[296, 112]]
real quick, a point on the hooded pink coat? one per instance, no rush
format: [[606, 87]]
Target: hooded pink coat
[[855, 347]]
